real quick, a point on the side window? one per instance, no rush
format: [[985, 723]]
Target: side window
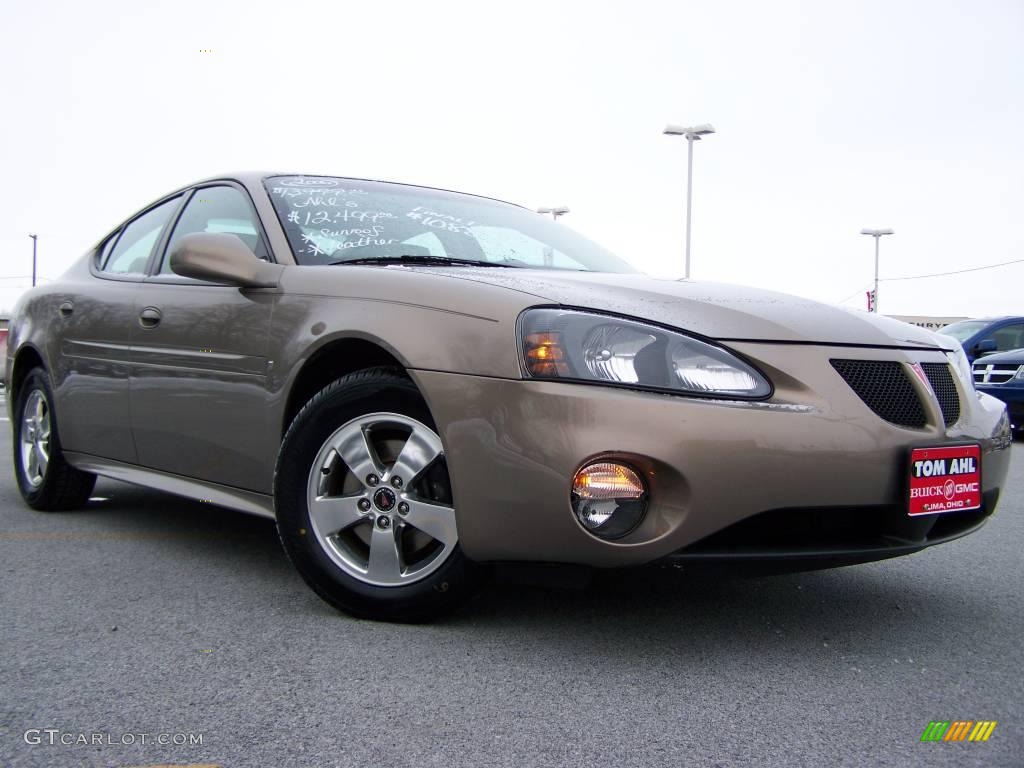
[[1009, 337], [131, 253], [107, 248], [217, 209]]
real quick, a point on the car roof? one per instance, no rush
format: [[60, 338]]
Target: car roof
[[255, 178], [989, 320]]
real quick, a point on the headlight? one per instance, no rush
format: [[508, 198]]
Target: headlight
[[572, 345], [1020, 374], [959, 360]]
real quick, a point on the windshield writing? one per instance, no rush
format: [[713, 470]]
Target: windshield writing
[[330, 220]]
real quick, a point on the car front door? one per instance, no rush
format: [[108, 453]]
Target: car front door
[[1009, 336], [91, 330], [199, 358]]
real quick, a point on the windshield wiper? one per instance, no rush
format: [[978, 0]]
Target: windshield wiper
[[430, 261]]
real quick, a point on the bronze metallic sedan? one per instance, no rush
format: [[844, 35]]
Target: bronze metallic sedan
[[415, 383]]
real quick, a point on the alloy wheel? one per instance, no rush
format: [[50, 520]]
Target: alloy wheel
[[35, 438], [379, 500]]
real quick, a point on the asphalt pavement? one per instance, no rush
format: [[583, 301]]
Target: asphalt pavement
[[146, 617]]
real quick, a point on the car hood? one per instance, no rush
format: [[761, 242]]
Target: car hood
[[716, 310], [1011, 357]]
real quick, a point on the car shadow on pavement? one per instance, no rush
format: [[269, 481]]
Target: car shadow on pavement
[[846, 610], [123, 511]]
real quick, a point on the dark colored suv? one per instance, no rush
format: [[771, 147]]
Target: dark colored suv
[[1002, 375], [987, 335]]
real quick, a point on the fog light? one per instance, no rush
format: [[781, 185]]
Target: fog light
[[609, 499]]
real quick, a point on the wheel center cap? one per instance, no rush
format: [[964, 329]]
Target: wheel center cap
[[384, 499]]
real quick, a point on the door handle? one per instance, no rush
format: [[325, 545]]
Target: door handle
[[149, 317], [66, 309]]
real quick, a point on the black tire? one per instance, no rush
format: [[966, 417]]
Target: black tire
[[62, 487], [350, 397]]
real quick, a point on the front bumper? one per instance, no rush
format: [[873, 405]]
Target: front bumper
[[1012, 395], [513, 447]]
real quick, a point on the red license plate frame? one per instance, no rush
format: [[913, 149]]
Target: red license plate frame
[[944, 478]]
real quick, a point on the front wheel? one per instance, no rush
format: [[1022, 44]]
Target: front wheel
[[364, 502]]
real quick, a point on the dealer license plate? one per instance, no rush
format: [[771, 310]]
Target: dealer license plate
[[946, 479]]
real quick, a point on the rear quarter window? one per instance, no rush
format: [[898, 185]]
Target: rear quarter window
[[130, 254]]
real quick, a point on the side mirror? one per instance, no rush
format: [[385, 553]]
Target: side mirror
[[984, 347], [222, 258]]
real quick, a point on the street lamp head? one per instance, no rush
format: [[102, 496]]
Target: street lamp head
[[877, 232], [701, 130], [555, 212], [33, 236], [692, 132]]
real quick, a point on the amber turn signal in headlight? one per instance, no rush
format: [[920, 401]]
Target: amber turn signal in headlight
[[545, 355], [609, 499]]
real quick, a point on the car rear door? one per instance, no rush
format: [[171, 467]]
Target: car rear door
[[91, 333], [199, 358]]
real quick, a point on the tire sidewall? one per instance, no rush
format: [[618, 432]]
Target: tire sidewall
[[35, 380], [347, 399]]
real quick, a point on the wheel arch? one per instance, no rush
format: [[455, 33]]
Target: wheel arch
[[25, 359], [332, 359]]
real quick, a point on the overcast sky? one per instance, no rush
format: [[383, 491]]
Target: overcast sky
[[830, 117]]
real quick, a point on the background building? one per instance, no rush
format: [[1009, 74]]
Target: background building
[[931, 323]]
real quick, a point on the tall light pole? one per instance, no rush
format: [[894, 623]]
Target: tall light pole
[[877, 234], [555, 212], [34, 238], [692, 134], [549, 252]]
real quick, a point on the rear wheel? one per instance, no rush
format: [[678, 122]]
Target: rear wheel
[[46, 481], [364, 502]]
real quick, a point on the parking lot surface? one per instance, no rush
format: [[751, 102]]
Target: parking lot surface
[[152, 616]]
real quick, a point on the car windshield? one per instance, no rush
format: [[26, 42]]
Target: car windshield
[[963, 330], [331, 220]]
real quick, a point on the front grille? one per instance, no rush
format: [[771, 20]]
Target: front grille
[[994, 373], [941, 378], [824, 530], [884, 387]]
